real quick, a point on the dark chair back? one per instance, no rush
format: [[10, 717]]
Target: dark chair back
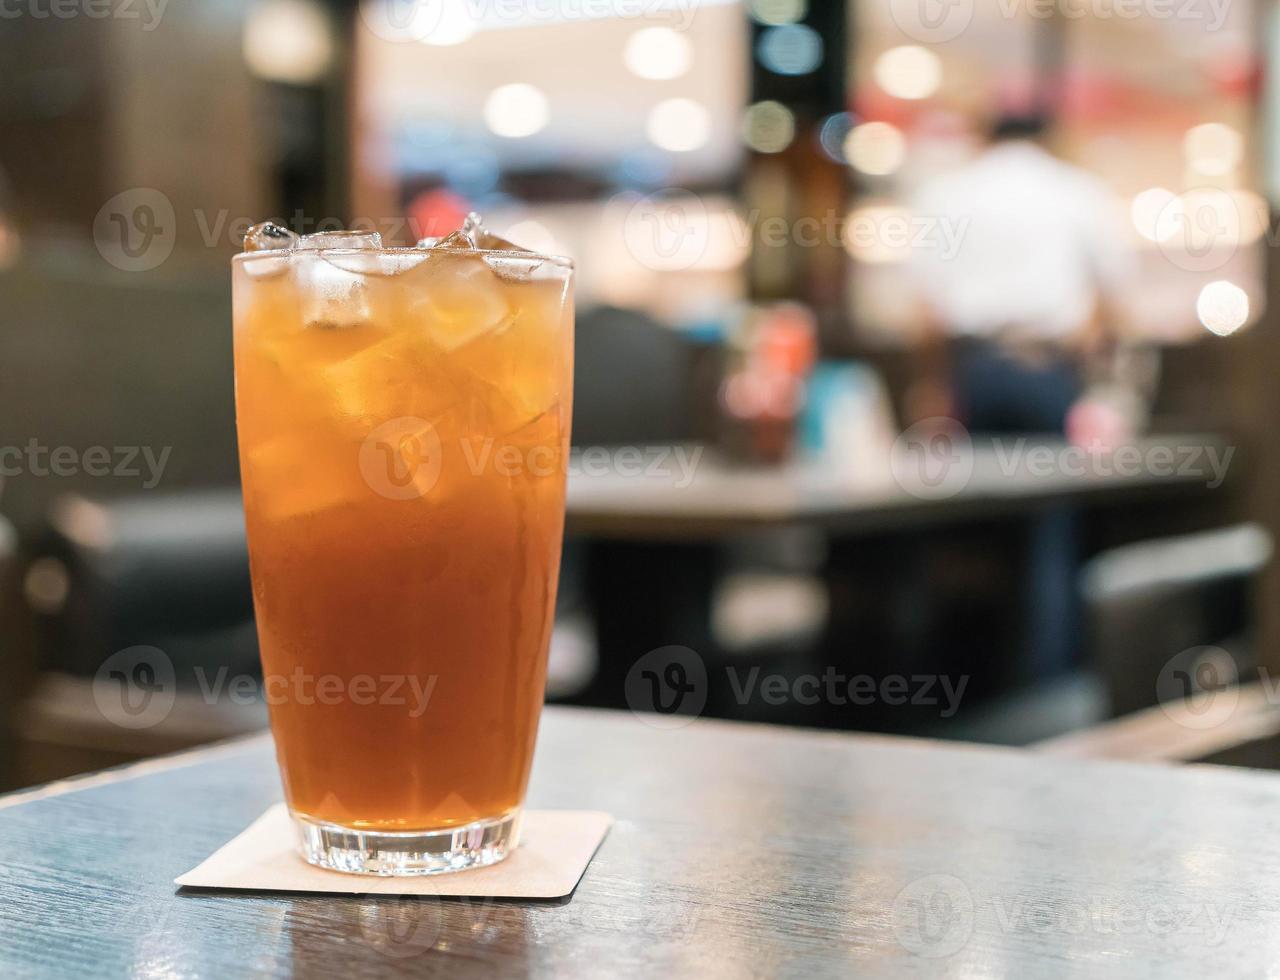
[[1161, 611], [633, 381]]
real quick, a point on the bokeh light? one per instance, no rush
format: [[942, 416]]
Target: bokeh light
[[875, 148], [832, 135], [777, 12], [679, 125], [908, 72], [768, 127], [658, 53], [700, 235], [878, 234], [288, 41], [1213, 149], [516, 110], [1223, 307], [793, 49], [1146, 210], [442, 23], [1200, 220]]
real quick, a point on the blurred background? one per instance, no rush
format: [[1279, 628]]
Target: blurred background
[[924, 363]]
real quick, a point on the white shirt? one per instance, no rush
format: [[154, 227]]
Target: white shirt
[[1035, 241]]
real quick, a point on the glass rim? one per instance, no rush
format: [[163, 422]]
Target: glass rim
[[563, 261]]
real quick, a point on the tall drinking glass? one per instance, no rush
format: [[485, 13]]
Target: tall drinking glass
[[403, 420]]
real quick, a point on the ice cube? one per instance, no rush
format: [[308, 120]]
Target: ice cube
[[515, 267], [340, 239], [485, 239], [401, 459], [265, 266], [402, 375], [454, 240], [458, 298], [331, 297], [368, 262], [468, 236], [524, 364], [288, 476], [268, 235], [472, 235]]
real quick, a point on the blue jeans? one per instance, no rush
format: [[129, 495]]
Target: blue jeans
[[1001, 395]]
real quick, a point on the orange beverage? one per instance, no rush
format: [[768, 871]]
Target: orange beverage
[[403, 421]]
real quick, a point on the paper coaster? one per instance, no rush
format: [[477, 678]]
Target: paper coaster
[[555, 848]]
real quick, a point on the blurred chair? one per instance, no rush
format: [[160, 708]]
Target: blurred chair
[[165, 570], [1162, 610], [634, 381], [1231, 726], [159, 570]]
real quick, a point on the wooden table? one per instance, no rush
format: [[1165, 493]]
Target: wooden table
[[739, 851]]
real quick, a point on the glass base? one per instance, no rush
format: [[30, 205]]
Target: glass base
[[371, 852]]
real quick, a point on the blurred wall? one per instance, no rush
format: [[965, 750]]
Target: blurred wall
[[110, 127]]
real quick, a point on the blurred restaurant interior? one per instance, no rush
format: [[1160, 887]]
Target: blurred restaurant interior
[[768, 203]]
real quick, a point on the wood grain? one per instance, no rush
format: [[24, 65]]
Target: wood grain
[[739, 851]]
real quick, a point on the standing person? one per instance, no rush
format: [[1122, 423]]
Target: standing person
[[1017, 321], [1020, 314]]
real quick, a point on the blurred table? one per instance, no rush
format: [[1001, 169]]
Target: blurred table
[[698, 496], [738, 851], [653, 522]]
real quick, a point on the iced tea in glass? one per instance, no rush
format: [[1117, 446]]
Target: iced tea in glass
[[403, 418]]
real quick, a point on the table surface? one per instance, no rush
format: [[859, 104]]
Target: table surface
[[739, 851], [675, 492]]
